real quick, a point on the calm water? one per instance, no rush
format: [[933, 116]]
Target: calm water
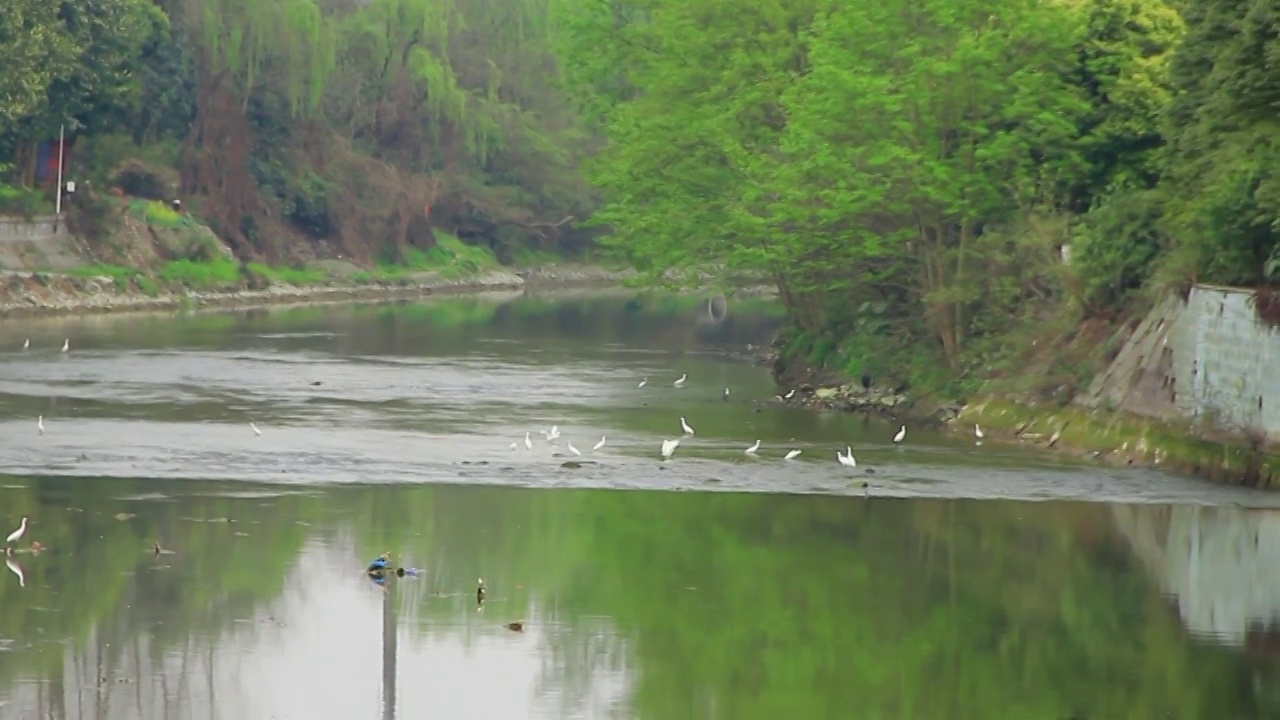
[[969, 582]]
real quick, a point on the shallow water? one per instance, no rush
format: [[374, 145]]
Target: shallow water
[[769, 589]]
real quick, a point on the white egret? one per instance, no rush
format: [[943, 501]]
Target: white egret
[[15, 535], [726, 394], [553, 433], [600, 444], [515, 445], [847, 459], [789, 395], [254, 427], [644, 382], [40, 424], [680, 382], [26, 344], [685, 426], [669, 447], [66, 345], [573, 449], [977, 431], [528, 444], [16, 569], [791, 455], [752, 450], [902, 435]]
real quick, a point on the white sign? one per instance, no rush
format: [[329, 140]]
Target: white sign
[[71, 186]]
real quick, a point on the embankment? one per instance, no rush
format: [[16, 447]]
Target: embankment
[[46, 293], [1194, 389]]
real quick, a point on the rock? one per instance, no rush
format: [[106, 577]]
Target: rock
[[825, 393]]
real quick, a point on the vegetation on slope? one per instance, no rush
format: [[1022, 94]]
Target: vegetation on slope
[[936, 187], [943, 191], [306, 128]]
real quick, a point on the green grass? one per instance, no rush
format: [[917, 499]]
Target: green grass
[[122, 276], [526, 257], [290, 276], [202, 275], [157, 213], [450, 258]]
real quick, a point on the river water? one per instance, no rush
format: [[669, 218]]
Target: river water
[[964, 582]]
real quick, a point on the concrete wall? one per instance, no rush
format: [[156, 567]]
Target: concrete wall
[[1207, 360], [1224, 362], [36, 245]]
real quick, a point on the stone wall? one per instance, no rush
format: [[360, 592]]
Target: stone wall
[[37, 244], [1207, 360]]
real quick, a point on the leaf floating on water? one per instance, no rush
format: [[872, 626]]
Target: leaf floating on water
[[125, 516]]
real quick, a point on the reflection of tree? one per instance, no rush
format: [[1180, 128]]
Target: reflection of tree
[[125, 614]]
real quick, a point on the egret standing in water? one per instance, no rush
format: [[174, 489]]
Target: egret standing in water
[[528, 444], [726, 395], [40, 424], [26, 344], [680, 382], [573, 449], [66, 345], [597, 446], [669, 447], [902, 435], [644, 382], [847, 459], [977, 432], [254, 427], [14, 536], [790, 394], [752, 450], [685, 427], [792, 455]]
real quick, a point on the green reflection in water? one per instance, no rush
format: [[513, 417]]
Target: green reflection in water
[[725, 605]]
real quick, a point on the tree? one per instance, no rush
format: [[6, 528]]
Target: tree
[[1221, 190], [35, 49]]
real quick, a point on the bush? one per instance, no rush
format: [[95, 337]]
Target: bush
[[1114, 248], [138, 179], [27, 202], [92, 215]]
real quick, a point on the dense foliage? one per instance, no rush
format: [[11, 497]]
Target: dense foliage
[[922, 179], [322, 125], [926, 182]]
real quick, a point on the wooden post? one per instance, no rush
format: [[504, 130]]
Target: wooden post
[[57, 213]]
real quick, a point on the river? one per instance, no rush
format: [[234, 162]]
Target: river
[[964, 580]]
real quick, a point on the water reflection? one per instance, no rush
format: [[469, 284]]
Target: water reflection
[[1217, 564], [634, 604]]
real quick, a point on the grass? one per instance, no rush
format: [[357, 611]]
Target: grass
[[527, 257], [202, 275], [1127, 438], [197, 274], [157, 213], [290, 276], [450, 258], [121, 276]]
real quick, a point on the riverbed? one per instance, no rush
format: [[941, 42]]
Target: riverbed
[[270, 454]]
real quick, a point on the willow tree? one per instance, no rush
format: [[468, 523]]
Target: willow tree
[[244, 46]]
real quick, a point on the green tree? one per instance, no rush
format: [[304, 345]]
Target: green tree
[[1221, 191], [34, 48]]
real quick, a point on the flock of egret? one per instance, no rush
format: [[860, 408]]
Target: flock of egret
[[669, 446]]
